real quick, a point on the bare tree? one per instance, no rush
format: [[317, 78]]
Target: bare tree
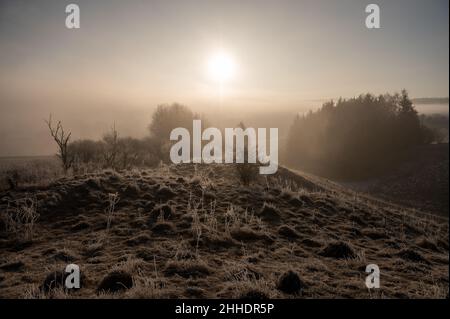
[[112, 148], [62, 139]]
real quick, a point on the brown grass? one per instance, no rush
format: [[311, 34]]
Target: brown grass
[[175, 241]]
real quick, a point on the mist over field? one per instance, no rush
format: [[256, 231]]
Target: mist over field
[[25, 133], [106, 168]]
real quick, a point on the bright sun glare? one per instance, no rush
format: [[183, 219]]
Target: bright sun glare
[[221, 67]]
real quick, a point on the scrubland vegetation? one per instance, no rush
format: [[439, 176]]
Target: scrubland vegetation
[[140, 227], [353, 139]]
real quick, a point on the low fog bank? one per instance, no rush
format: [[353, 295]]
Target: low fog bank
[[24, 132]]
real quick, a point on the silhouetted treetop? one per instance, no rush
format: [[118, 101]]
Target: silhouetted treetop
[[355, 137]]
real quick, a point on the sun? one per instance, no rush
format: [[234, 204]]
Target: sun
[[221, 67]]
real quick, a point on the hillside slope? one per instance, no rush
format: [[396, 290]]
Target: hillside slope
[[420, 182], [193, 231]]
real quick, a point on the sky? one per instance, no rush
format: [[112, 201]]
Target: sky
[[129, 56]]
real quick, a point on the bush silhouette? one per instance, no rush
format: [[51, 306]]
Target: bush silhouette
[[165, 118]]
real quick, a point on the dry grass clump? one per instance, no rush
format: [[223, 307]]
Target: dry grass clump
[[188, 268], [94, 248], [247, 173], [270, 213], [288, 232], [20, 218], [412, 255], [33, 291], [202, 178], [244, 282], [115, 281], [113, 199], [338, 250], [290, 283], [215, 230], [139, 240], [146, 287], [54, 280], [161, 213], [121, 277], [247, 234]]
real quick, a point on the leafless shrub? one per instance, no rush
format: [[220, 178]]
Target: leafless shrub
[[62, 139], [111, 148], [246, 172]]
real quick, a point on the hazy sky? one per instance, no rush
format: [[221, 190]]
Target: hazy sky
[[129, 56]]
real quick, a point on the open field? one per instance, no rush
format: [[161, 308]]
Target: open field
[[192, 231], [420, 182], [28, 170]]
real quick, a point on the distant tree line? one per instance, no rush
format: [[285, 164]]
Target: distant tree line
[[358, 137], [350, 138], [117, 152]]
